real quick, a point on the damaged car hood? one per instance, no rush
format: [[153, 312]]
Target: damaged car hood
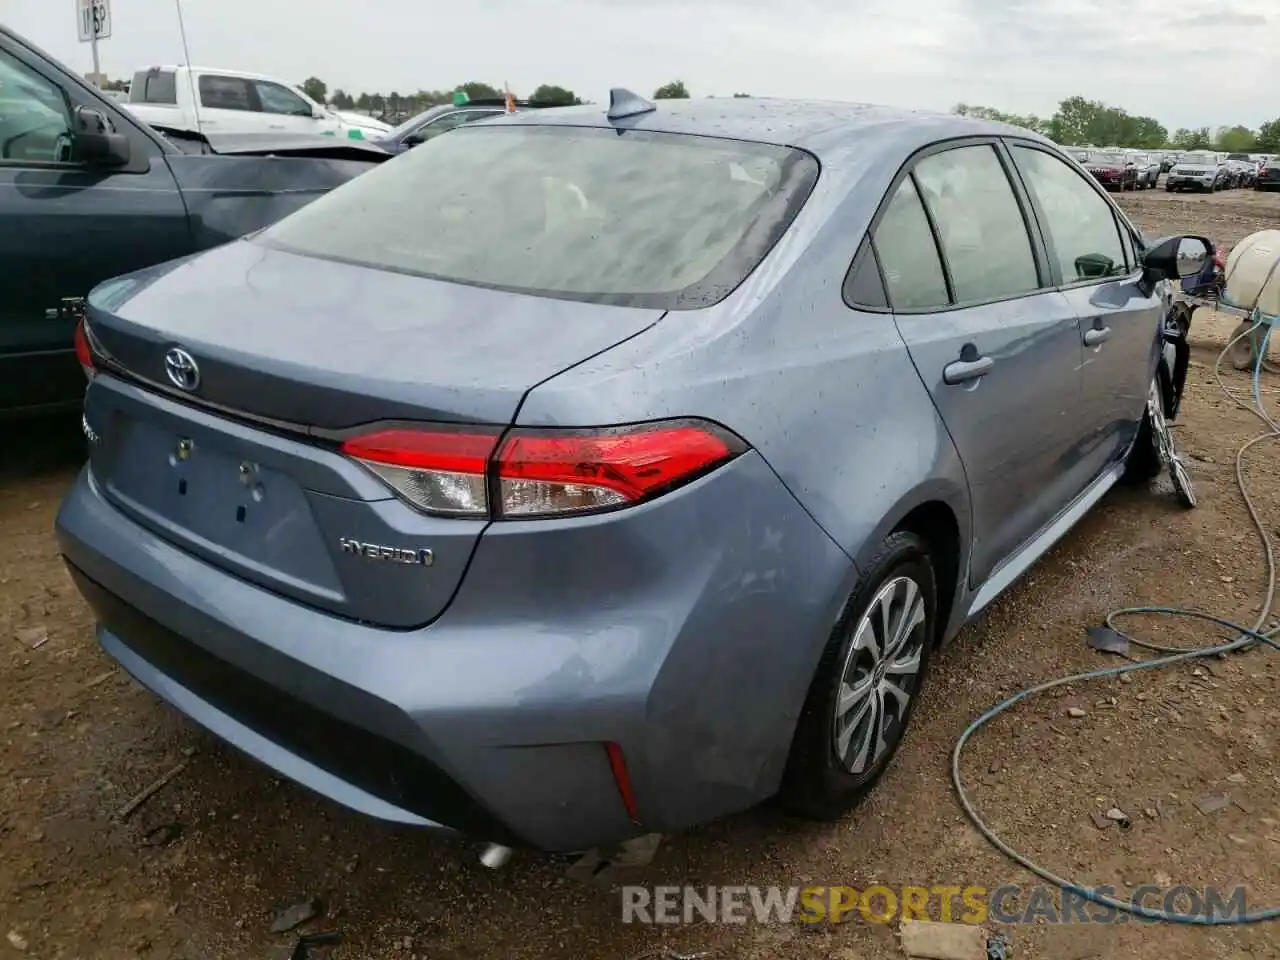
[[274, 144], [241, 183]]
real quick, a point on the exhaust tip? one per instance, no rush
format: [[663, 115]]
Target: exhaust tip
[[495, 856]]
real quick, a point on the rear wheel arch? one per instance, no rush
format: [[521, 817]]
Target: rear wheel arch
[[938, 512], [936, 524]]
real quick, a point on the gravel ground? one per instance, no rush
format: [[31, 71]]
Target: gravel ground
[[199, 869]]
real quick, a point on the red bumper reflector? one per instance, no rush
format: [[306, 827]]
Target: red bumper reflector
[[618, 764]]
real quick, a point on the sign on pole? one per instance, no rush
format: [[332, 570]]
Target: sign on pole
[[93, 20]]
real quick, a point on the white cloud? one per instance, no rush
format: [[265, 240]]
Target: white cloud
[[1211, 65]]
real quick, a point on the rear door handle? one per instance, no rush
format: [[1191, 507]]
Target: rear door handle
[[1096, 336], [962, 371]]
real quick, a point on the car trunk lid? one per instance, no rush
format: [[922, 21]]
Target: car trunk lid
[[243, 469]]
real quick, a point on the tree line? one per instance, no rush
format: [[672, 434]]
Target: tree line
[[395, 102], [1080, 121]]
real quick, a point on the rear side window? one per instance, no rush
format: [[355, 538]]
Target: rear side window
[[908, 256], [1083, 235], [451, 121], [863, 286], [638, 219], [276, 99], [979, 222], [225, 93], [154, 86]]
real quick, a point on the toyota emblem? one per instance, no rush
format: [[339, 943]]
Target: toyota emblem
[[181, 368]]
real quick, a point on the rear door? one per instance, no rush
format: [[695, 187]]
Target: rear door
[[287, 111], [1092, 253], [230, 105], [997, 348], [65, 227]]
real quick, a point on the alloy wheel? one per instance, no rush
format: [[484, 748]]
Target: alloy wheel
[[880, 675]]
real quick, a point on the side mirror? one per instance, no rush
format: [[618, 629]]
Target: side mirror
[[1176, 257], [319, 113], [96, 142], [1093, 265]]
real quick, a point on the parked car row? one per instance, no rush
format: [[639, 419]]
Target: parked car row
[[1205, 171], [1121, 169]]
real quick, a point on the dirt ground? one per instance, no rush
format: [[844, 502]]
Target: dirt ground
[[198, 870]]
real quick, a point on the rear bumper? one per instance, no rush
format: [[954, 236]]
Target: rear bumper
[[693, 651]]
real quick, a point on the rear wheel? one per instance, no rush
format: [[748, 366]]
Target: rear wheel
[[866, 685]]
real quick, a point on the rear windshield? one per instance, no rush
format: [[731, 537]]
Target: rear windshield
[[635, 218], [1116, 159], [1237, 156], [1200, 159], [154, 86]]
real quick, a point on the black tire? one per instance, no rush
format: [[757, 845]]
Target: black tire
[[817, 785]]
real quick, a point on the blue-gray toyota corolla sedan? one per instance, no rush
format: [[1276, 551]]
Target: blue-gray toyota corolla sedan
[[586, 474]]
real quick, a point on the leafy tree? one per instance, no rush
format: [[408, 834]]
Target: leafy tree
[[480, 91], [675, 90], [1236, 139], [1269, 137], [556, 96], [1081, 121], [316, 89], [342, 100], [1186, 139]]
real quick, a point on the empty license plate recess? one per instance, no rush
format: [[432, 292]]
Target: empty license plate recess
[[220, 503]]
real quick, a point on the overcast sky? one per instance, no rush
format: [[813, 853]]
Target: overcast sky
[[1202, 63]]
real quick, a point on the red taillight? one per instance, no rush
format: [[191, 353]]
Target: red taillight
[[437, 470], [541, 473], [84, 352]]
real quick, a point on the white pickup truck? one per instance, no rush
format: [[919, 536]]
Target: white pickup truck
[[233, 101]]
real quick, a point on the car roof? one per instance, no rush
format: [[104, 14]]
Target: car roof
[[816, 125]]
